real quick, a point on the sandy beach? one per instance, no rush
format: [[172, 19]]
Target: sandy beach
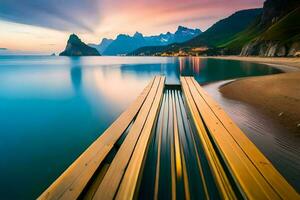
[[276, 95]]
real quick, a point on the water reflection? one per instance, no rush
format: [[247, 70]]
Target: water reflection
[[76, 72], [210, 70], [52, 108], [190, 66], [76, 76]]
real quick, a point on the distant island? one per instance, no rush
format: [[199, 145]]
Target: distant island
[[75, 47]]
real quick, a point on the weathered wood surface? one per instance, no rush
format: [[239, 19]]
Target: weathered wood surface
[[221, 179], [233, 161], [137, 138], [133, 172], [253, 173]]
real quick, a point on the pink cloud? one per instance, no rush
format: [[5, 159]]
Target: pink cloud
[[160, 16]]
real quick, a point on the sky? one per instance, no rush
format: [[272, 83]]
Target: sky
[[43, 26]]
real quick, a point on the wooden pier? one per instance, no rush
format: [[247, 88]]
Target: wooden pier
[[173, 142]]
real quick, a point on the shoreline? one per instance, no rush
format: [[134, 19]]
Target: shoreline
[[261, 129], [283, 63], [275, 95]]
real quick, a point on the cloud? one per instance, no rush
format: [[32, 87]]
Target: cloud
[[3, 49], [64, 15], [48, 44], [151, 16]]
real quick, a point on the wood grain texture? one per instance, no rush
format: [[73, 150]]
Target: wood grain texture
[[131, 177], [220, 177], [267, 170], [253, 173], [110, 183]]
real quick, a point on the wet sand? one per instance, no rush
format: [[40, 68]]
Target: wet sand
[[276, 95]]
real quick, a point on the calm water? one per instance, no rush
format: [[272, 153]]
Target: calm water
[[53, 108]]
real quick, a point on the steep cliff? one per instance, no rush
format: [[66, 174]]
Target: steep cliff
[[277, 32], [75, 47]]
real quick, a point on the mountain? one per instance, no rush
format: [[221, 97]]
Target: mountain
[[124, 44], [184, 34], [277, 32], [225, 29], [75, 47], [217, 34], [274, 33], [103, 45], [273, 30]]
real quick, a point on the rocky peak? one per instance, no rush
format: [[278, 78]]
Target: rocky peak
[[138, 35], [185, 30], [75, 47], [122, 36], [104, 40], [74, 39], [181, 29]]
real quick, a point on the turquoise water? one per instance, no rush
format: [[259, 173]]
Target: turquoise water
[[53, 108]]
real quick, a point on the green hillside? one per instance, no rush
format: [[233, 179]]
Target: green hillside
[[235, 45], [225, 30], [285, 30]]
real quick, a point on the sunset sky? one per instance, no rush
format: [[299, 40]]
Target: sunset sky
[[43, 26]]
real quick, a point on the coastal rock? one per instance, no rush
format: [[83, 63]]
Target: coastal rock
[[278, 36], [75, 47], [294, 50], [281, 51], [271, 49]]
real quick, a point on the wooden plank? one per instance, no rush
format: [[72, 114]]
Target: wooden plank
[[180, 129], [274, 178], [131, 177], [177, 152], [220, 177], [250, 181], [162, 135], [112, 178], [72, 182], [95, 184], [176, 141], [189, 132], [171, 135], [185, 177], [159, 135]]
